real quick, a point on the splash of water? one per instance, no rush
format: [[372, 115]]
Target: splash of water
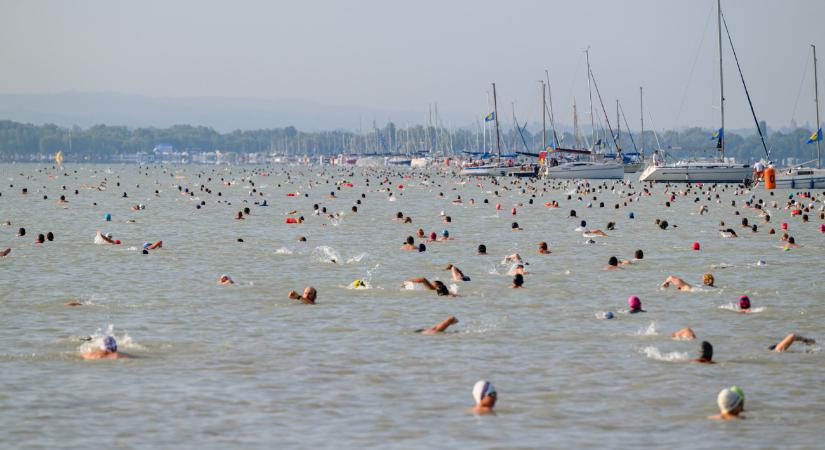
[[327, 254], [649, 330], [654, 353], [283, 251], [96, 340]]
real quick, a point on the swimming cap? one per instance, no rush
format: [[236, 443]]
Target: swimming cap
[[744, 302], [784, 225], [741, 394], [445, 233], [108, 217], [482, 389], [631, 216], [728, 400], [608, 315], [822, 227], [696, 246], [634, 303], [109, 343], [146, 244], [357, 283], [109, 235]]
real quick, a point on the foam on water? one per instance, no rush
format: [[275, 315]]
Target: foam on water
[[649, 330], [735, 307], [654, 353], [96, 340]]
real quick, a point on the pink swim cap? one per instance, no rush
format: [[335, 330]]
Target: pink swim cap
[[696, 246], [744, 302], [822, 227], [784, 225], [634, 303]]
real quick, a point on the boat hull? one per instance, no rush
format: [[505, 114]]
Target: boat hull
[[815, 179], [588, 170], [500, 171], [697, 173]]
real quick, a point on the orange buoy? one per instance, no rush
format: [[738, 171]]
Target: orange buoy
[[770, 178]]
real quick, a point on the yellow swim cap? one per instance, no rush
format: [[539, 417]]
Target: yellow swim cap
[[357, 283]]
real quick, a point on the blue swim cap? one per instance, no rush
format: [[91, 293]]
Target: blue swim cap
[[110, 344], [108, 217], [631, 215], [608, 315], [146, 244], [445, 233]]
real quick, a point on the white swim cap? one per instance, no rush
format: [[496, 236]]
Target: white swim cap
[[482, 389], [728, 400], [109, 235]]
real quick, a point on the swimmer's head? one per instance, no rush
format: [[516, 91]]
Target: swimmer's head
[[422, 247], [639, 254], [744, 302], [705, 351], [613, 261], [634, 303], [433, 236], [583, 223], [518, 280], [441, 288], [609, 315], [484, 393], [109, 235], [445, 233], [482, 249], [146, 244], [707, 279], [410, 240], [109, 344], [729, 401], [357, 283]]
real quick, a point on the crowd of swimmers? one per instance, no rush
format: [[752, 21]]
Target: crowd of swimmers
[[730, 401]]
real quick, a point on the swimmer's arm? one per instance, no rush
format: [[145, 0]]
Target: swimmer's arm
[[425, 282], [294, 295]]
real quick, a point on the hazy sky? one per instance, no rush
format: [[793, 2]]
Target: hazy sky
[[404, 55]]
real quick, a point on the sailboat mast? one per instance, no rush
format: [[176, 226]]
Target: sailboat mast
[[498, 133], [642, 113], [550, 99], [721, 81], [543, 116], [618, 123], [590, 92], [575, 123], [816, 97]]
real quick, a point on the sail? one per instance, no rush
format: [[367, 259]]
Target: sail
[[58, 157]]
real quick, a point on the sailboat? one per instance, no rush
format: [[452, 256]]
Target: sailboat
[[498, 168], [720, 171], [592, 168], [801, 177]]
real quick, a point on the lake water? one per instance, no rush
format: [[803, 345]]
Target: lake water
[[242, 366]]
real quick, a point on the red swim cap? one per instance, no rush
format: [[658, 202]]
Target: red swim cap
[[696, 246], [784, 225], [117, 241]]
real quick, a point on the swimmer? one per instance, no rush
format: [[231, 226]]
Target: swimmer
[[543, 250], [107, 350], [151, 246], [439, 327], [685, 334], [705, 353], [458, 275], [730, 405], [708, 280], [485, 396], [358, 284], [445, 236], [105, 238], [225, 280], [677, 282], [784, 344], [728, 233], [482, 250], [518, 281], [591, 233], [437, 286], [635, 305], [744, 304], [308, 297], [409, 244], [613, 263]]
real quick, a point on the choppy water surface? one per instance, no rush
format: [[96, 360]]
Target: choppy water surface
[[243, 366]]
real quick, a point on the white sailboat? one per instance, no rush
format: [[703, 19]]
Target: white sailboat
[[583, 169], [800, 177], [721, 171]]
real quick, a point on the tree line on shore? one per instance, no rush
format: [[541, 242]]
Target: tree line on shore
[[22, 141]]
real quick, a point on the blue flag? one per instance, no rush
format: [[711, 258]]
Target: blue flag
[[816, 137], [490, 117], [717, 135]]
